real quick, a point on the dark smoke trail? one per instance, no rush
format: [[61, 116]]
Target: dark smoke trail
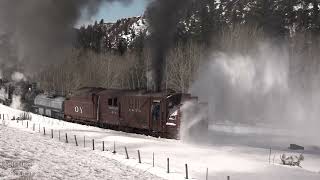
[[163, 17], [40, 31]]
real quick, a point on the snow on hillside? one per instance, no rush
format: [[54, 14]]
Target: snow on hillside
[[238, 159], [28, 155], [138, 27], [127, 29]]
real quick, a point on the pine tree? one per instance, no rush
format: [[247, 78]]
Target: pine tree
[[268, 16]]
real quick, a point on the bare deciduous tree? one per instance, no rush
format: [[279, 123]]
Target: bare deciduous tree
[[182, 64]]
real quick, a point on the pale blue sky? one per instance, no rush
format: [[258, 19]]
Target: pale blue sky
[[115, 11]]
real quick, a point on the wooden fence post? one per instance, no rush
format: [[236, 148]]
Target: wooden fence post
[[228, 178], [51, 133], [84, 141], [139, 157], [75, 139], [92, 144], [114, 147], [39, 128], [59, 135], [34, 127], [168, 165], [127, 155], [187, 175], [153, 159], [27, 124], [270, 156], [102, 145], [44, 131], [207, 174], [67, 138]]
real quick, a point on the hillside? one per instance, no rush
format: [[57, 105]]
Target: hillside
[[203, 19], [112, 36]]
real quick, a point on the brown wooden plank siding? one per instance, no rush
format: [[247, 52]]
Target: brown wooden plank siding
[[109, 114], [83, 109], [135, 111]]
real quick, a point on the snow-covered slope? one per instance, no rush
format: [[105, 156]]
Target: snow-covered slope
[[127, 29], [27, 155], [240, 160]]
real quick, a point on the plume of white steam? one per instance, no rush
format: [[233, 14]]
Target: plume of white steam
[[258, 89], [193, 115], [3, 95], [150, 80], [18, 76], [16, 102]]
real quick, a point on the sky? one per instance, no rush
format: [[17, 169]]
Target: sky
[[113, 12]]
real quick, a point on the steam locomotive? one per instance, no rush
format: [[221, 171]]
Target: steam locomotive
[[21, 91], [137, 111]]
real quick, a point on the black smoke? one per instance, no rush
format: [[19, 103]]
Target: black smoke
[[40, 31], [163, 17]]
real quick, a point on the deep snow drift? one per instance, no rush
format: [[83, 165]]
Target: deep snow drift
[[231, 152]]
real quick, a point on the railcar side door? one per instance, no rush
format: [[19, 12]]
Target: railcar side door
[[109, 110], [156, 115]]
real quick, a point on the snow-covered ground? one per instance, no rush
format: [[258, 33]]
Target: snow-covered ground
[[28, 155], [227, 153]]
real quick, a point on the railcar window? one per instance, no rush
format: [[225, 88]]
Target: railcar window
[[110, 102]]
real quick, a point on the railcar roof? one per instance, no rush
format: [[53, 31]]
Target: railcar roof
[[87, 91], [122, 92]]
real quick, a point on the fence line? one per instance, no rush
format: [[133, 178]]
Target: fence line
[[126, 150]]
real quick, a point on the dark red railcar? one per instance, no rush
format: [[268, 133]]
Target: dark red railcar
[[132, 111], [82, 106], [153, 113]]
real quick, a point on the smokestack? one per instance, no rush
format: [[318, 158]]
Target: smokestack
[[41, 31], [163, 17]]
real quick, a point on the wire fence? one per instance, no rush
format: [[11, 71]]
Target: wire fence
[[68, 137]]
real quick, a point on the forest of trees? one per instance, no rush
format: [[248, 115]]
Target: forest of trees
[[230, 26]]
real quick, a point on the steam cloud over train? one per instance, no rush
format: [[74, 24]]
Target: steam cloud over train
[[138, 111]]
